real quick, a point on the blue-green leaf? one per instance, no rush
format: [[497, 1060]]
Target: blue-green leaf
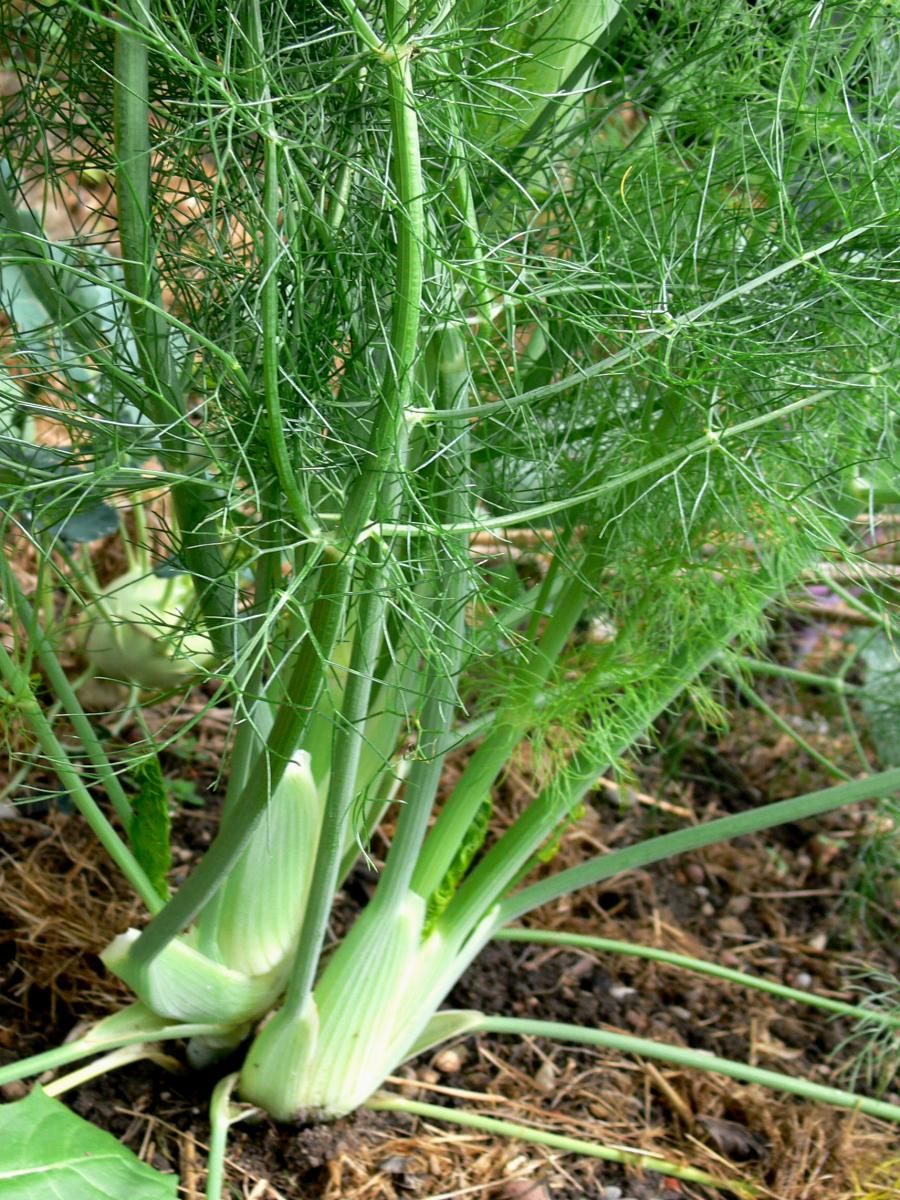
[[47, 1152], [881, 698]]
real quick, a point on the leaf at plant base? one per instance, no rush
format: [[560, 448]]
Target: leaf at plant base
[[69, 513], [87, 525], [149, 833], [10, 399], [25, 313], [881, 698], [47, 1152]]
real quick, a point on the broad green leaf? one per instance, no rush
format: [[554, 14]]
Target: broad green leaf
[[150, 824], [73, 515], [881, 698], [10, 399], [26, 313], [87, 524], [49, 1153]]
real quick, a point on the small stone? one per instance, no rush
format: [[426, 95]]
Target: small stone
[[16, 1090], [449, 1062], [818, 941], [427, 1076], [702, 891], [611, 1193], [695, 873], [620, 992], [525, 1189], [802, 980], [681, 1013], [708, 910], [739, 904], [729, 959], [545, 1079], [732, 926]]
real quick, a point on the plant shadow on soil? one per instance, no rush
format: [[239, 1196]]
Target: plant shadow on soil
[[773, 907]]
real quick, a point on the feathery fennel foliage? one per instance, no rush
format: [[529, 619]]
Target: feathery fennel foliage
[[378, 293]]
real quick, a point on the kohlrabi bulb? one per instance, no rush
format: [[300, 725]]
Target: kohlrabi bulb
[[139, 634]]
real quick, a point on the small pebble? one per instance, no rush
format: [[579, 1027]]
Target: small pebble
[[584, 966], [708, 910], [448, 1062], [619, 991], [428, 1076], [611, 1193], [16, 1090], [732, 926], [525, 1189], [802, 980], [739, 904], [681, 1013], [818, 941], [695, 872], [545, 1079]]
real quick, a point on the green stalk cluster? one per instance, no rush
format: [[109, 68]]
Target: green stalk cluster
[[504, 370]]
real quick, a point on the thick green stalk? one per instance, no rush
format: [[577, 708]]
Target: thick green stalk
[[699, 1060], [263, 777], [389, 441], [656, 849], [489, 759], [64, 692], [269, 293], [26, 703], [504, 863], [441, 683], [133, 161], [543, 937], [307, 676], [347, 746], [197, 520]]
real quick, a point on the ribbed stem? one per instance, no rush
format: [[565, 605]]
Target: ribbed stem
[[344, 765], [269, 295], [698, 1060], [684, 840], [489, 759], [440, 687], [197, 520]]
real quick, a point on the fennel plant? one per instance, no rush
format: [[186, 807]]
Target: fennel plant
[[379, 285]]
